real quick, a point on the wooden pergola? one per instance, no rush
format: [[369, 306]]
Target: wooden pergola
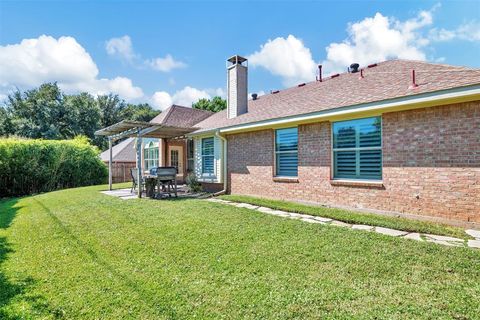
[[138, 130]]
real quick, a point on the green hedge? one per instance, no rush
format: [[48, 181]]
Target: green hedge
[[33, 166]]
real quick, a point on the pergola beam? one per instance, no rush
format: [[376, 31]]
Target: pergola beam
[[139, 164], [110, 158]]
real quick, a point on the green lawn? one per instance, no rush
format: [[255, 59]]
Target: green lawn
[[80, 254], [355, 217]]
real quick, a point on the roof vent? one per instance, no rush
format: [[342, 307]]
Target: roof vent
[[354, 67], [254, 96]]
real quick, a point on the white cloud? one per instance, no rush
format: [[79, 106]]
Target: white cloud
[[165, 64], [184, 97], [46, 59], [122, 47], [161, 100], [469, 31], [379, 38], [286, 57]]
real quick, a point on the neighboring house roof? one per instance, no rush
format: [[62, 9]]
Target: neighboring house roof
[[183, 117], [382, 81], [122, 152]]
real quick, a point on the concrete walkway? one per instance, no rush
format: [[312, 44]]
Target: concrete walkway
[[442, 240]]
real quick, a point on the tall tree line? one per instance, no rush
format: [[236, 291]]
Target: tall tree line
[[48, 113]]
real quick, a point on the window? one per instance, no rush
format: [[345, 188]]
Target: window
[[190, 156], [174, 158], [150, 156], [207, 155], [357, 149], [286, 152]]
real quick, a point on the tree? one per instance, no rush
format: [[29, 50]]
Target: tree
[[5, 126], [38, 113], [46, 112], [110, 106], [215, 105], [86, 114], [138, 112]]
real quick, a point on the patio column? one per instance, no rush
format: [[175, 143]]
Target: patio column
[[139, 164], [110, 163]]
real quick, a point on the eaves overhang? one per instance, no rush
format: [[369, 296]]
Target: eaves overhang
[[423, 100]]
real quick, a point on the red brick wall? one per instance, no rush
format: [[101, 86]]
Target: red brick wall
[[431, 165]]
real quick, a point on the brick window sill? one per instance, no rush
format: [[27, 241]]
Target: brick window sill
[[357, 183], [285, 179]]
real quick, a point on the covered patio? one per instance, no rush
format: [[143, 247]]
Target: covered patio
[[138, 130]]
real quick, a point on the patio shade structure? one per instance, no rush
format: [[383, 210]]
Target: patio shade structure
[[138, 130]]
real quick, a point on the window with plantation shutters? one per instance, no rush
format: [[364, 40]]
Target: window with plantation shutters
[[207, 155], [357, 149], [286, 152]]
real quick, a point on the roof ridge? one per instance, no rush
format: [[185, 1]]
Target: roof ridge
[[191, 108], [170, 109]]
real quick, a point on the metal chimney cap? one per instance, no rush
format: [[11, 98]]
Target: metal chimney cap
[[236, 59], [254, 96]]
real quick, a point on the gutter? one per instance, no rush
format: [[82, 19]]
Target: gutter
[[224, 163]]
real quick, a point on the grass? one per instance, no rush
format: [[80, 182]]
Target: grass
[[79, 254], [354, 217]]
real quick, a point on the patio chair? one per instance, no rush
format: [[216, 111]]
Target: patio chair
[[153, 171], [134, 173]]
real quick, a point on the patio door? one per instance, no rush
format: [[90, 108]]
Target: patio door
[[175, 159]]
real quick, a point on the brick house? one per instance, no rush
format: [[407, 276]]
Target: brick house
[[395, 137]]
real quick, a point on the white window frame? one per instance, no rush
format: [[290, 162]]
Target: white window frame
[[190, 160], [332, 151], [275, 175], [150, 146], [209, 155]]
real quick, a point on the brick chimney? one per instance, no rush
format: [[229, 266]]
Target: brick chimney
[[237, 86]]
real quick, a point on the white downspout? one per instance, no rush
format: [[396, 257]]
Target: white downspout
[[224, 162]]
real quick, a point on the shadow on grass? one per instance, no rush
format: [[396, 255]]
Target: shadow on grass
[[122, 277], [10, 291]]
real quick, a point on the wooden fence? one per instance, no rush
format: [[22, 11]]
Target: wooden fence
[[121, 171]]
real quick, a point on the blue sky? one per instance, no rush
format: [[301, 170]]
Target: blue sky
[[175, 52]]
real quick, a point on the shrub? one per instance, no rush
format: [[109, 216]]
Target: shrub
[[192, 183], [33, 166]]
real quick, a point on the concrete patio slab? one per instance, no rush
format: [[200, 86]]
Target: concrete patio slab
[[474, 243], [362, 227], [442, 238], [390, 232], [323, 219], [414, 236], [473, 233]]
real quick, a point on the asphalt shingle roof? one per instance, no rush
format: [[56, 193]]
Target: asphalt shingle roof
[[383, 81], [121, 152], [179, 116]]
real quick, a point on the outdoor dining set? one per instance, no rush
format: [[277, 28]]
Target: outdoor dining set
[[158, 183]]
